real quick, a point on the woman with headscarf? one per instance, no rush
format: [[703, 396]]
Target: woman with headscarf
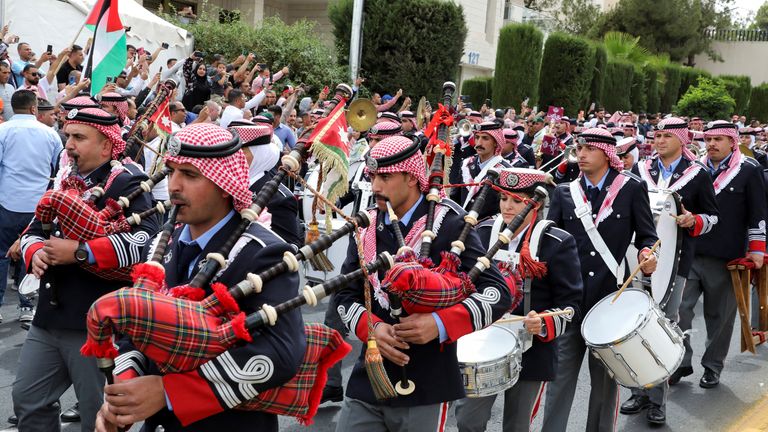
[[198, 85]]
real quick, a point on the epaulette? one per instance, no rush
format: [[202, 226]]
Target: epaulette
[[632, 175], [453, 205], [752, 161], [262, 235], [699, 163], [487, 223], [557, 233], [283, 189]]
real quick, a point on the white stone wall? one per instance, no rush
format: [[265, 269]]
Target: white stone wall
[[740, 58]]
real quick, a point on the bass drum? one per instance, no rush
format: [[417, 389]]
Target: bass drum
[[307, 197], [665, 206]]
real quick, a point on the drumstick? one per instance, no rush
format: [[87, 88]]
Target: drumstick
[[541, 315], [634, 272]]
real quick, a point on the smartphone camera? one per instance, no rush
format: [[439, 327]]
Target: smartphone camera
[[164, 45]]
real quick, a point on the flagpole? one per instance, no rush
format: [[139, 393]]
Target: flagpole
[[73, 43]]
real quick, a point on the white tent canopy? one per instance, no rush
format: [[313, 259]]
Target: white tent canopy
[[56, 22]]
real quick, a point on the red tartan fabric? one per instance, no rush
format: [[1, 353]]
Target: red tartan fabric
[[424, 290], [79, 220]]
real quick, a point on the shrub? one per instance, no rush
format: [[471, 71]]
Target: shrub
[[478, 89], [739, 87], [690, 76], [567, 65], [709, 99], [518, 60], [598, 75], [758, 103], [414, 45], [671, 90], [618, 85], [653, 95], [638, 97]]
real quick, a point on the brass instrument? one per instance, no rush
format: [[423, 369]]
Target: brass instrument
[[420, 117], [569, 153], [465, 128], [361, 114]]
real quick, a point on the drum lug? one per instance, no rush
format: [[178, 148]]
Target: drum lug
[[653, 353], [671, 328], [626, 365]]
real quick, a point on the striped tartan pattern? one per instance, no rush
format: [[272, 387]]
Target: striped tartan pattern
[[300, 396], [80, 221], [177, 334], [425, 290]]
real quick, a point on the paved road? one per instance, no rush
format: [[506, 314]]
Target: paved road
[[690, 408]]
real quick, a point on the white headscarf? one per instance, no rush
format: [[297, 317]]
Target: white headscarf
[[265, 157]]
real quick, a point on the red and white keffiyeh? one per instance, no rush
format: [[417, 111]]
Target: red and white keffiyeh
[[230, 173], [601, 139], [112, 132], [679, 128], [413, 165]]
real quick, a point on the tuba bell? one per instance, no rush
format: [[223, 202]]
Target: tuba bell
[[361, 114]]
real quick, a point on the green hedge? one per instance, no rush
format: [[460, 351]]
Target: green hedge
[[653, 95], [739, 87], [518, 60], [708, 99], [598, 75], [567, 65], [478, 89], [758, 103], [689, 77], [618, 85], [671, 90], [638, 97], [403, 48]]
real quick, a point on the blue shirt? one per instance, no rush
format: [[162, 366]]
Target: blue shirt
[[286, 136], [600, 183], [667, 173], [186, 236], [17, 67], [28, 154], [723, 165]]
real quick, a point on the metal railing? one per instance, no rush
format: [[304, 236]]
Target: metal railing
[[736, 35]]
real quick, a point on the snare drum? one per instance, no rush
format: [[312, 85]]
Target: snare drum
[[489, 361], [638, 345]]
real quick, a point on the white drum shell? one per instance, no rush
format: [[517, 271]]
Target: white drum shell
[[642, 357], [29, 285], [489, 361]]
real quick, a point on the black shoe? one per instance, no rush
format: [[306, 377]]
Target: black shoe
[[13, 420], [682, 371], [72, 414], [710, 379], [656, 415], [635, 404], [332, 394]]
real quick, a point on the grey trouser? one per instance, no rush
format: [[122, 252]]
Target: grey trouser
[[521, 404], [658, 394], [357, 415], [710, 277], [333, 320], [604, 392], [49, 363]]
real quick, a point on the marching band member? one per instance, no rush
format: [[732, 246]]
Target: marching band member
[[262, 155], [617, 204], [410, 127], [747, 146], [739, 234], [675, 168], [626, 150], [463, 149], [489, 142], [58, 329], [397, 173], [560, 289], [525, 149], [509, 149], [209, 184]]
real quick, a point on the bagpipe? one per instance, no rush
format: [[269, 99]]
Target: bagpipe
[[159, 321], [133, 139]]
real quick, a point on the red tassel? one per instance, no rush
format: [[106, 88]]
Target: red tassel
[[406, 257], [111, 209], [448, 263], [150, 273], [188, 292], [528, 266], [225, 298], [238, 325], [99, 350], [73, 183], [426, 262]]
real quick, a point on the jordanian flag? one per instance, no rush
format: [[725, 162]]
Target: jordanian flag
[[108, 52]]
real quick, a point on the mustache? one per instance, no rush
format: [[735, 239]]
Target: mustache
[[175, 196], [380, 197]]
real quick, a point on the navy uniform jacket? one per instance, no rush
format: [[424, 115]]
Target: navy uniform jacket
[[457, 157], [285, 212], [526, 151], [207, 395], [433, 366], [631, 215], [741, 226], [516, 160], [491, 205], [559, 289], [76, 287], [698, 197]]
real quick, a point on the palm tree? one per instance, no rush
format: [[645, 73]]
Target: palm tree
[[623, 46]]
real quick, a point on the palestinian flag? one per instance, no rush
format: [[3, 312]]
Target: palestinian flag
[[330, 145], [108, 52]]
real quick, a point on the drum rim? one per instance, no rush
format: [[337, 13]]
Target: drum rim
[[629, 335], [678, 250], [514, 353], [29, 276]]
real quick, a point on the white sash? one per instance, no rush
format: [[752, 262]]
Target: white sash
[[492, 162], [583, 210]]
